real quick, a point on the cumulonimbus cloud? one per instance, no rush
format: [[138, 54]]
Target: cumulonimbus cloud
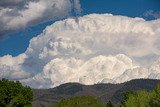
[[91, 49], [16, 14]]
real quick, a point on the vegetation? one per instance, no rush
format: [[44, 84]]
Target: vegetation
[[142, 98], [109, 104], [13, 94], [82, 101], [130, 99]]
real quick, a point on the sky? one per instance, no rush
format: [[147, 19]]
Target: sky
[[45, 43], [16, 41]]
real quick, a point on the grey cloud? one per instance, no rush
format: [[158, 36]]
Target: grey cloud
[[155, 14], [12, 3], [15, 3], [17, 14]]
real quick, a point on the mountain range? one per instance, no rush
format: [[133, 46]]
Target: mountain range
[[105, 92]]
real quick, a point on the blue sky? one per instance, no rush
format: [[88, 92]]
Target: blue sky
[[17, 42]]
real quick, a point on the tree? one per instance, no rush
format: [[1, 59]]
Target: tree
[[142, 98], [80, 101], [126, 96], [12, 93], [109, 104], [136, 99], [155, 97]]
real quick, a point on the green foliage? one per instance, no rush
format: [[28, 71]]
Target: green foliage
[[136, 99], [13, 94], [126, 96], [82, 101], [142, 98], [155, 97]]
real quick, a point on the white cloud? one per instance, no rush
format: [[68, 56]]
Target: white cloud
[[89, 50], [94, 70], [10, 67]]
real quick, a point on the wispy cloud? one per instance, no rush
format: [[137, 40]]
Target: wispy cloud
[[151, 13]]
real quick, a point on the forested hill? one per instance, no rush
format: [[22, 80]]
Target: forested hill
[[106, 92]]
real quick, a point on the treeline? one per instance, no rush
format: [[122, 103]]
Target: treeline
[[142, 98], [130, 99], [13, 94], [82, 101]]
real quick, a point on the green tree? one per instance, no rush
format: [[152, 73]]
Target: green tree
[[136, 99], [155, 97], [13, 94], [126, 97], [81, 101], [19, 101], [142, 98]]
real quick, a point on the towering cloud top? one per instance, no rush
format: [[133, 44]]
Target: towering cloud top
[[90, 49]]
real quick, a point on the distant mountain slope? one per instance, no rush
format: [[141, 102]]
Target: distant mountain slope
[[113, 92]]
